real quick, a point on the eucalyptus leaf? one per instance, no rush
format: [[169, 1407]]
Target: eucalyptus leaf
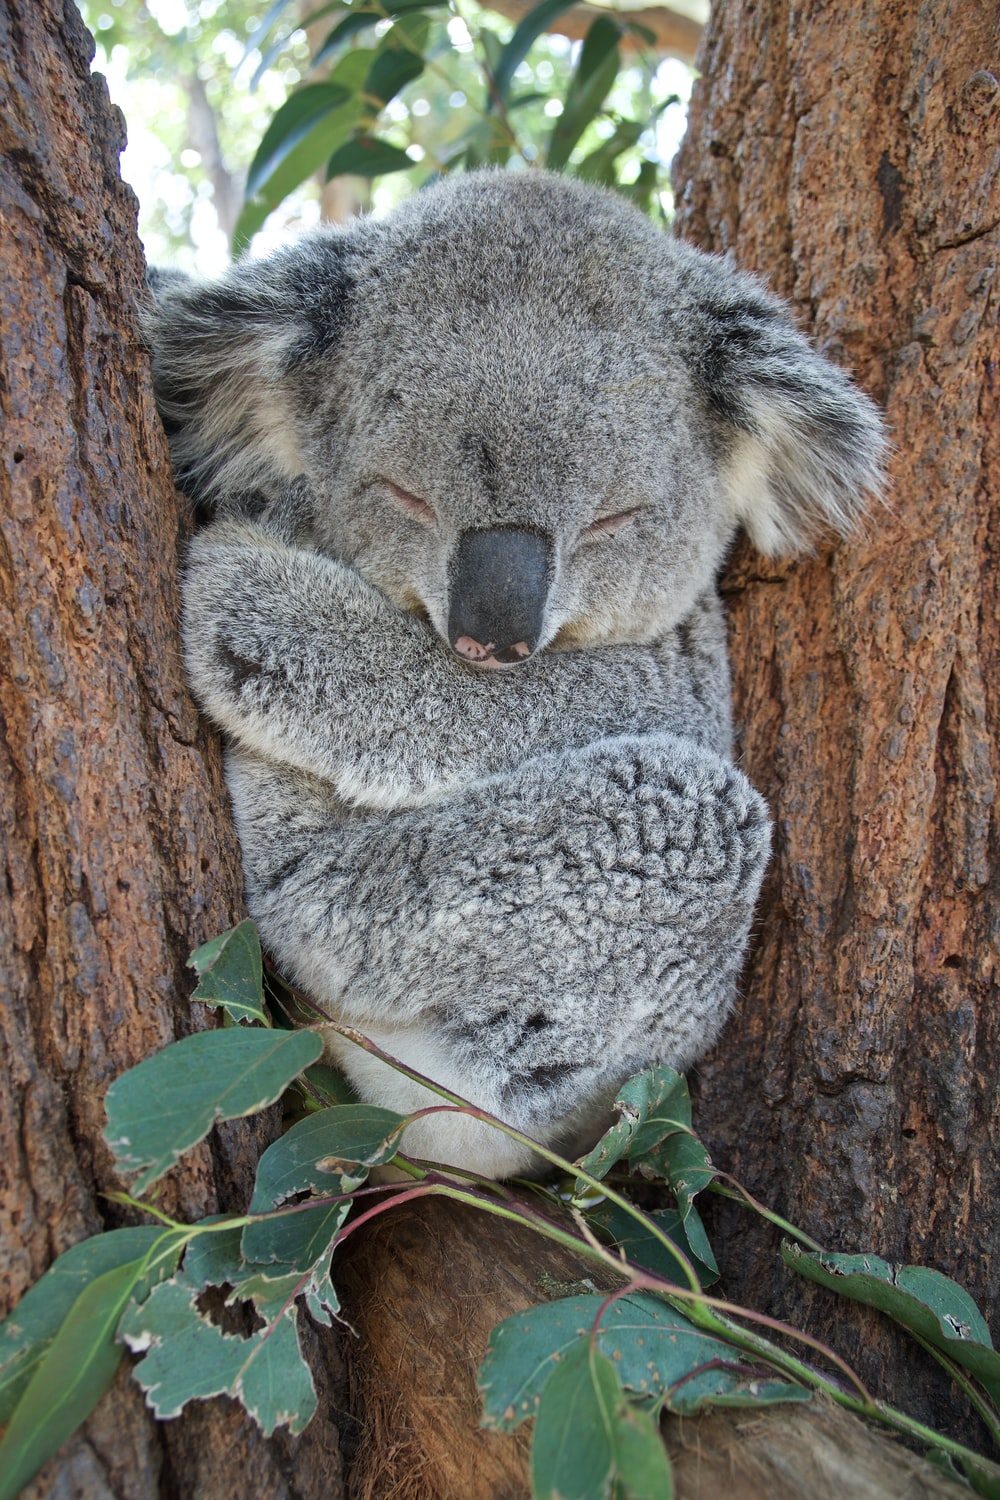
[[217, 1259], [327, 1152], [923, 1300], [642, 1467], [526, 33], [292, 123], [399, 59], [184, 1357], [231, 974], [640, 1243], [572, 1449], [71, 1378], [649, 1105], [653, 1347], [329, 130], [300, 1243], [590, 85], [366, 156], [360, 17], [29, 1331], [683, 1161], [164, 1106], [330, 1084]]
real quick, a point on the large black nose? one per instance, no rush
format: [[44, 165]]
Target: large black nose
[[499, 582]]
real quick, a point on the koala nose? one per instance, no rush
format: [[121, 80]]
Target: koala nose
[[498, 583]]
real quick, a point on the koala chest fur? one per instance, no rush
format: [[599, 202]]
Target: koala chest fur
[[472, 473]]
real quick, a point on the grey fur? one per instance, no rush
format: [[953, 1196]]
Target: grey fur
[[532, 881]]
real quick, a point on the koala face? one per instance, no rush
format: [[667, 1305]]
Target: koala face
[[520, 409]]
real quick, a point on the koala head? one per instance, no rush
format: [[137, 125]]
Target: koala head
[[518, 408]]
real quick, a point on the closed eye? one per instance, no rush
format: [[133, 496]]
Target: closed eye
[[605, 524], [411, 503]]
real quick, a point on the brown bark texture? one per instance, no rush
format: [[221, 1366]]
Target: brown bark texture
[[118, 859], [851, 155]]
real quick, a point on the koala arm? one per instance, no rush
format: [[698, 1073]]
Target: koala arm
[[530, 941], [297, 658]]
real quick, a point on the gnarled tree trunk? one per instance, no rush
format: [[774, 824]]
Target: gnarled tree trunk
[[850, 153], [118, 855]]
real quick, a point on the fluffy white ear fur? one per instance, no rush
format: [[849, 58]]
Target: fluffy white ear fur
[[802, 447], [792, 473]]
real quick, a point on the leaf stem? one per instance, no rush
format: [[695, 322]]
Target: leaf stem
[[737, 1193]]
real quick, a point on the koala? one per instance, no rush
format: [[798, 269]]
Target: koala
[[470, 474]]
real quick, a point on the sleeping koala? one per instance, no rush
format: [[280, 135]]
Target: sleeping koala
[[474, 470]]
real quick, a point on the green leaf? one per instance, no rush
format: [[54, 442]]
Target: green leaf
[[164, 1106], [37, 1318], [650, 1105], [301, 112], [399, 59], [683, 1161], [216, 1259], [588, 1437], [299, 1242], [70, 1380], [367, 157], [642, 1467], [653, 1346], [590, 85], [327, 1152], [527, 31], [982, 1475], [358, 18], [330, 1084], [231, 974], [187, 1358], [641, 1245], [328, 131], [599, 166], [572, 1450], [938, 1309]]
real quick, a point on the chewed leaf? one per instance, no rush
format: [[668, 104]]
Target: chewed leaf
[[231, 973], [327, 1152], [938, 1309], [187, 1358], [165, 1105], [28, 1332], [71, 1378], [652, 1345], [217, 1259], [649, 1106], [302, 1242]]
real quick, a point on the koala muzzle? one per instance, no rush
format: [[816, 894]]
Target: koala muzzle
[[499, 583]]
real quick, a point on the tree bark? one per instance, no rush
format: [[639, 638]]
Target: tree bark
[[850, 154], [119, 858]]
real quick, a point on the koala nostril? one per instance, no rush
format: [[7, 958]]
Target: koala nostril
[[520, 652], [490, 655]]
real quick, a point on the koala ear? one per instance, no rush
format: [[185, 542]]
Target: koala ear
[[223, 352], [803, 447]]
